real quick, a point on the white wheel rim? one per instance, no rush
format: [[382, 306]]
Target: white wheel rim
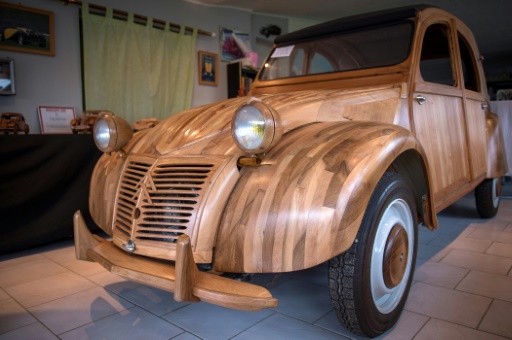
[[495, 194], [386, 299]]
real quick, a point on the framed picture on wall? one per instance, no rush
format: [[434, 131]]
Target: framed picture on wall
[[26, 29], [7, 85], [56, 119], [234, 44], [208, 68]]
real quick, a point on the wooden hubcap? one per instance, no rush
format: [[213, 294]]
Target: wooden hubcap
[[395, 256]]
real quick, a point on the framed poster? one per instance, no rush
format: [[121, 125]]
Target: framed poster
[[55, 119], [26, 29], [208, 68], [7, 86], [233, 44]]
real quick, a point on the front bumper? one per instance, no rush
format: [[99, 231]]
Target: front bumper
[[183, 279]]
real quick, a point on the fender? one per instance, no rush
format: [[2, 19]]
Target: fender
[[496, 157], [305, 203]]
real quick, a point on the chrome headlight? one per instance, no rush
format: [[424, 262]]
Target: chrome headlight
[[256, 127], [111, 133]]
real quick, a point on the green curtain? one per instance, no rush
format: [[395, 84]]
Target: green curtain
[[136, 71]]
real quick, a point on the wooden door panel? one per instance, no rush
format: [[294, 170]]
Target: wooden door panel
[[439, 126], [475, 120]]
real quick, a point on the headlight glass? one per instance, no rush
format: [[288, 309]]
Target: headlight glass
[[111, 133], [102, 133], [256, 127], [249, 127]]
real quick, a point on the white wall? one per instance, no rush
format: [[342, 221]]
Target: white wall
[[57, 81]]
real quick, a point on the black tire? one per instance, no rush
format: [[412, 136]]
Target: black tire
[[351, 281], [487, 196]]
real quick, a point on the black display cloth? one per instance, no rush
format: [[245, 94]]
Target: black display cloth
[[44, 179]]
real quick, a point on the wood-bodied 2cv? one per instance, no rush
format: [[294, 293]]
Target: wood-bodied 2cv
[[355, 133]]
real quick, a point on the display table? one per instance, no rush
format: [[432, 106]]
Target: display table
[[44, 179]]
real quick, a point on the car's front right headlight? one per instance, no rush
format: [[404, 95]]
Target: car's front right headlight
[[256, 127], [111, 133]]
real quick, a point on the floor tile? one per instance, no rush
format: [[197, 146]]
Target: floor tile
[[3, 295], [425, 236], [113, 282], [13, 316], [75, 310], [155, 300], [438, 329], [331, 323], [84, 268], [500, 249], [24, 270], [498, 319], [446, 304], [481, 262], [485, 284], [186, 336], [35, 331], [464, 243], [428, 252], [213, 322], [491, 224], [455, 230], [492, 235], [134, 323], [63, 253], [302, 300], [406, 328], [279, 326], [317, 275], [439, 274], [36, 292]]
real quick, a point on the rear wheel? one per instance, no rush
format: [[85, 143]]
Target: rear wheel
[[487, 196], [369, 283]]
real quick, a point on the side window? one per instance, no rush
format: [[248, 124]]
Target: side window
[[298, 63], [435, 62], [320, 64], [469, 68]]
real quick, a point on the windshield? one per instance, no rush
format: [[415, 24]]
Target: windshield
[[362, 49]]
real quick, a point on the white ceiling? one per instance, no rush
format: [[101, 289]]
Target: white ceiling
[[490, 20]]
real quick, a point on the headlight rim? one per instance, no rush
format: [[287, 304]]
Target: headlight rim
[[119, 131], [272, 125]]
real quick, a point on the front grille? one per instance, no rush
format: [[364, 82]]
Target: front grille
[[158, 199]]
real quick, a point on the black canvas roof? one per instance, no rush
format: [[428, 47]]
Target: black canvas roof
[[351, 23]]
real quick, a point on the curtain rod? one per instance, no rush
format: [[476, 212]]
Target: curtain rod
[[160, 23]]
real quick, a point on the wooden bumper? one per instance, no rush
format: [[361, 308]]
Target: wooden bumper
[[184, 279]]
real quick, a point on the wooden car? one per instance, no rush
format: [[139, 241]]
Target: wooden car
[[355, 132], [85, 123], [12, 122]]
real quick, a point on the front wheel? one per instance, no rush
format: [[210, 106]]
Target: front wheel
[[487, 196], [369, 283]]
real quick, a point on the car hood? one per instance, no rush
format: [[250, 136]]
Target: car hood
[[295, 109]]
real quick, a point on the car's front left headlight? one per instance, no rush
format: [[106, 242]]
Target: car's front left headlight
[[111, 133], [256, 127]]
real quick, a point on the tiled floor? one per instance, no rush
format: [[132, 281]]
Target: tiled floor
[[462, 290]]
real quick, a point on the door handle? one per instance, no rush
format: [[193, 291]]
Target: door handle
[[421, 99], [485, 106]]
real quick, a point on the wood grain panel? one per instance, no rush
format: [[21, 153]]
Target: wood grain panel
[[304, 204], [477, 139], [440, 127]]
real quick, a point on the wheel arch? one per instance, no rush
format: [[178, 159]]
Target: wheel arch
[[496, 158], [412, 166], [305, 203]]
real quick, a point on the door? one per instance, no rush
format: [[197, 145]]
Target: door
[[438, 114]]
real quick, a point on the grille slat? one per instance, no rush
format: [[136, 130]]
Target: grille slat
[[158, 198]]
